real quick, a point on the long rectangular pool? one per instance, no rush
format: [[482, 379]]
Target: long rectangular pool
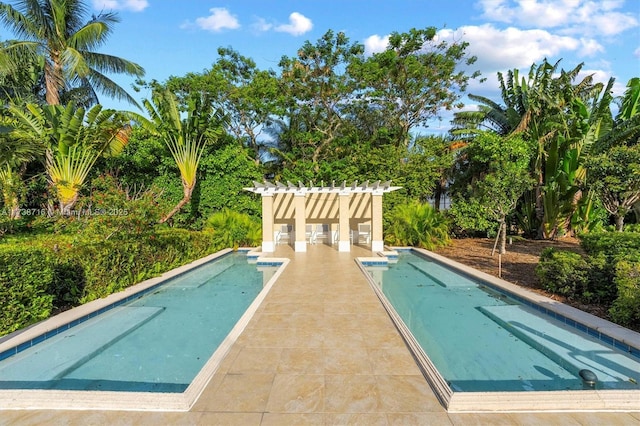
[[478, 337], [156, 340]]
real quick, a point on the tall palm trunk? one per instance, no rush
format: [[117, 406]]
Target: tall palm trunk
[[53, 76]]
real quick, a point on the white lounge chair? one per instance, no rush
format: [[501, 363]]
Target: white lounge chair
[[322, 232], [364, 233], [283, 234], [310, 234]]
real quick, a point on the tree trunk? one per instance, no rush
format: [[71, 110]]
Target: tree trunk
[[53, 79], [65, 208], [438, 193], [187, 191], [619, 222], [503, 237]]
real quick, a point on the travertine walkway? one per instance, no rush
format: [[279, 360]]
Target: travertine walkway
[[320, 350]]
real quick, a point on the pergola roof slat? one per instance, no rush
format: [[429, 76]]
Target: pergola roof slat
[[279, 188]]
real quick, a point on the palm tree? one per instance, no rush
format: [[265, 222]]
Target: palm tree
[[54, 29]]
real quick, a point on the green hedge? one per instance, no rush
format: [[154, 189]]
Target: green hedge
[[612, 244], [608, 275], [113, 265], [43, 276], [626, 308], [26, 276], [563, 272]]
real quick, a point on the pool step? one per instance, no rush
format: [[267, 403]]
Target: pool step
[[199, 277], [442, 276], [74, 346], [562, 344]]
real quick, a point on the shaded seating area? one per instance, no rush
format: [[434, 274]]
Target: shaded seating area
[[339, 215]]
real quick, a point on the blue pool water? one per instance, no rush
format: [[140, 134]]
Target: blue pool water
[[155, 343], [481, 340]]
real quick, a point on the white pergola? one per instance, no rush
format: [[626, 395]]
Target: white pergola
[[344, 208]]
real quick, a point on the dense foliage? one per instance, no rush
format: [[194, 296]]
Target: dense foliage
[[608, 275], [418, 225], [232, 229]]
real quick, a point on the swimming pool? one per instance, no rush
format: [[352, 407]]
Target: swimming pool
[[478, 341], [149, 343]]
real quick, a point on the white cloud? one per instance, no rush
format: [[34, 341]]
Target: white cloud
[[500, 49], [261, 25], [220, 19], [570, 16], [132, 5], [298, 25], [611, 24], [375, 44], [590, 47], [636, 52]]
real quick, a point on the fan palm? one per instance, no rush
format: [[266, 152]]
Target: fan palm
[[54, 29], [72, 140], [186, 139]]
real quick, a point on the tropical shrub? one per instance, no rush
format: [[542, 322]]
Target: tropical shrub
[[626, 308], [563, 272], [609, 275], [112, 265], [223, 172], [234, 229], [114, 211], [418, 225], [600, 287]]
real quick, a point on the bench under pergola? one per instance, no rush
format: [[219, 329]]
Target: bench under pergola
[[343, 209]]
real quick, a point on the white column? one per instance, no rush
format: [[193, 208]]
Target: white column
[[343, 228], [268, 245], [377, 238], [300, 222]]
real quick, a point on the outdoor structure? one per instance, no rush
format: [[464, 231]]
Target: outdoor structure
[[341, 215]]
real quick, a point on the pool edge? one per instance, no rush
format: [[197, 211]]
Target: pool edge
[[539, 401], [35, 399]]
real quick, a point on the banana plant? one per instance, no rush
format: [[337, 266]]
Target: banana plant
[[72, 140], [615, 170]]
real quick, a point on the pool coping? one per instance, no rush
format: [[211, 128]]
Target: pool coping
[[552, 401], [20, 399]]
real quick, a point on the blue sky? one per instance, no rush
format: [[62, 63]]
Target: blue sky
[[174, 37]]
